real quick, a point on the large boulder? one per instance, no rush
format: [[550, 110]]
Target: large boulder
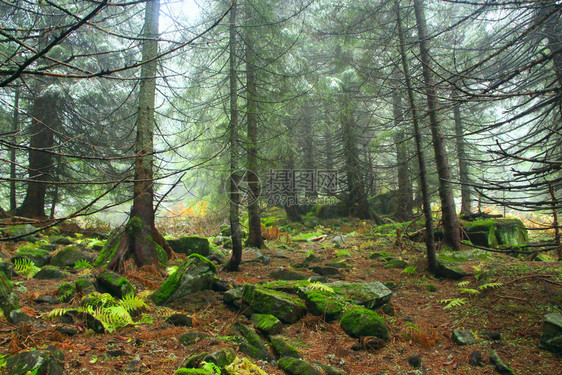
[[360, 322], [323, 303], [252, 344], [286, 307], [385, 203], [39, 362], [38, 256], [23, 232], [371, 295], [497, 232], [551, 338], [68, 256], [49, 273], [191, 245], [195, 274], [114, 284]]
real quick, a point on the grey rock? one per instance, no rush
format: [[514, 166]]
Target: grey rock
[[180, 320], [283, 348], [415, 360], [551, 338], [18, 317], [40, 362], [47, 299], [371, 295], [191, 245], [191, 338], [499, 364], [463, 337], [252, 344], [114, 284], [68, 256], [475, 358], [67, 330], [286, 274], [49, 273]]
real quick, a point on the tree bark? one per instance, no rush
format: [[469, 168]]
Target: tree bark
[[464, 177], [141, 235], [15, 128], [236, 258], [255, 238], [449, 215], [46, 117], [405, 199], [433, 266]]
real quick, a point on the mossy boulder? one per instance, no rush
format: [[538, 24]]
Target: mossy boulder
[[252, 344], [193, 371], [39, 362], [463, 337], [551, 338], [85, 285], [38, 256], [191, 245], [381, 255], [371, 295], [49, 273], [221, 358], [395, 263], [8, 299], [283, 348], [295, 366], [497, 232], [114, 284], [195, 274], [323, 303], [23, 232], [8, 269], [66, 292], [68, 256], [191, 338], [359, 322], [267, 323], [288, 308]]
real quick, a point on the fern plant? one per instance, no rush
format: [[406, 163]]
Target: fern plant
[[319, 286], [26, 267], [453, 302], [82, 264], [111, 313]]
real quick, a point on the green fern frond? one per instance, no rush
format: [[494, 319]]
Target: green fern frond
[[490, 286], [26, 267], [131, 303], [55, 313], [82, 264], [453, 302], [463, 283], [164, 312], [320, 286]]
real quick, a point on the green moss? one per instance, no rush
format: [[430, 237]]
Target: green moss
[[66, 292], [288, 308], [297, 366], [83, 284], [282, 347], [321, 303], [288, 286], [203, 259], [38, 256], [115, 284], [161, 255], [266, 323], [193, 371], [359, 321]]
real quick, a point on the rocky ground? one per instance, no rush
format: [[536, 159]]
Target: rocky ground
[[364, 304]]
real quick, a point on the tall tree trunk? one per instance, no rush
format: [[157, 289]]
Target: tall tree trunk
[[405, 199], [15, 128], [357, 202], [433, 266], [449, 215], [255, 238], [308, 150], [464, 177], [141, 234], [46, 117], [236, 258]]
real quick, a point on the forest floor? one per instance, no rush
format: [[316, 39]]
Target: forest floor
[[420, 323]]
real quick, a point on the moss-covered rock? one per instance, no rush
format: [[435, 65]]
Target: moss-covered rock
[[66, 292], [385, 203], [287, 274], [323, 303], [68, 256], [8, 269], [23, 232], [195, 274], [252, 344], [39, 257], [49, 273], [288, 308], [381, 255], [221, 358], [396, 263], [266, 323], [359, 321], [331, 211], [497, 232], [85, 285], [191, 245], [283, 348], [191, 338], [295, 366], [371, 295], [287, 286], [193, 371], [551, 338], [8, 299], [39, 362], [114, 284]]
